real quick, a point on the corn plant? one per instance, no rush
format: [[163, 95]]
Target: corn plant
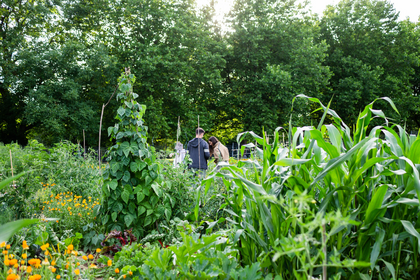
[[370, 175]]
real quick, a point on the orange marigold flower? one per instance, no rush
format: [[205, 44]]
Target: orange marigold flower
[[29, 269], [124, 276], [90, 256], [85, 258], [53, 269], [109, 262], [24, 256], [22, 262], [3, 244], [12, 277], [13, 262], [77, 271], [70, 247], [45, 246], [25, 245], [6, 262], [130, 272], [9, 271], [16, 265], [35, 262], [5, 252], [98, 250], [57, 277], [117, 270], [53, 262], [7, 246]]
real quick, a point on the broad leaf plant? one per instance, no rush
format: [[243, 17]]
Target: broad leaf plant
[[130, 192]]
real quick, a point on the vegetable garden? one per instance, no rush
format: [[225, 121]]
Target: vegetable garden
[[339, 202]]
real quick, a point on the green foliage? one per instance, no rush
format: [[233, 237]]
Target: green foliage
[[371, 53], [59, 169], [332, 202], [131, 195]]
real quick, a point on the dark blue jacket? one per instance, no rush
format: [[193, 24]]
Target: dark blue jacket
[[198, 153]]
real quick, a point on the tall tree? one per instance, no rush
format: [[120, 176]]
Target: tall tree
[[371, 55], [272, 58], [21, 23]]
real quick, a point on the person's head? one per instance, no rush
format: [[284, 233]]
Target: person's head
[[213, 141], [199, 132]]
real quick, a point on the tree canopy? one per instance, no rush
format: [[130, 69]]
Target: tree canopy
[[60, 60]]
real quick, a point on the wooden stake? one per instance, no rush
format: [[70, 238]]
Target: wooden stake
[[84, 145], [11, 165], [100, 128], [11, 161]]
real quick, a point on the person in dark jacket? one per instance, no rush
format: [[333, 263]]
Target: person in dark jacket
[[199, 152]]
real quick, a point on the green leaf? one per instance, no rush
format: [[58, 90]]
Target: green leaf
[[7, 230], [141, 210], [376, 248], [125, 196], [411, 230], [157, 189], [147, 221], [121, 111], [375, 203], [140, 197], [105, 219], [133, 166], [128, 219], [113, 184], [114, 216], [148, 180], [126, 177]]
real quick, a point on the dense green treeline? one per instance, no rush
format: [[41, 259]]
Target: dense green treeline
[[59, 63]]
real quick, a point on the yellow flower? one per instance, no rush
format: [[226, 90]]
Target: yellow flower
[[2, 244], [5, 252], [22, 262], [7, 246], [77, 264], [90, 257], [6, 261], [53, 269], [85, 258], [24, 245], [57, 277], [24, 256], [53, 262], [70, 247], [16, 265], [29, 269], [131, 273], [124, 276], [98, 250], [9, 271], [77, 271], [109, 262], [117, 270], [13, 262], [45, 246]]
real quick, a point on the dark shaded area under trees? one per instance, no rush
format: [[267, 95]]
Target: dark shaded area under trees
[[59, 62]]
